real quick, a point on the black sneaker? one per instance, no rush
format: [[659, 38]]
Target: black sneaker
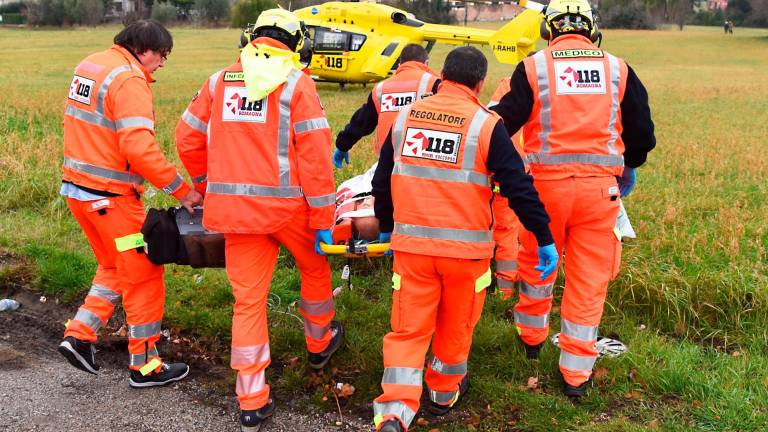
[[440, 410], [79, 354], [251, 420], [169, 372], [391, 425], [319, 360], [576, 392], [532, 351]]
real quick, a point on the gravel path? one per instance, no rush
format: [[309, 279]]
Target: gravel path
[[40, 391]]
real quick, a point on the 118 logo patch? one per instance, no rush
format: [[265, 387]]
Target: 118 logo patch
[[585, 77], [238, 108], [81, 89], [431, 144], [393, 102]]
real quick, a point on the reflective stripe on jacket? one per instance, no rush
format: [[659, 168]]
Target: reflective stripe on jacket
[[264, 160], [575, 126], [109, 135], [412, 81], [440, 184]]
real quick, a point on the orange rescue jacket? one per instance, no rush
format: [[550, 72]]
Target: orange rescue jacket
[[412, 81], [441, 187], [264, 160], [575, 126], [109, 135]]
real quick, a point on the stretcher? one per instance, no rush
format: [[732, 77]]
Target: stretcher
[[356, 230]]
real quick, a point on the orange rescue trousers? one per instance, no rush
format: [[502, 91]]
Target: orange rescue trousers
[[128, 274], [436, 300], [583, 213], [251, 260], [506, 229]]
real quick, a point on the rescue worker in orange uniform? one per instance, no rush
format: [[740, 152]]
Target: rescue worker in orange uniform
[[109, 149], [413, 80], [506, 224], [587, 127], [269, 182], [432, 190]]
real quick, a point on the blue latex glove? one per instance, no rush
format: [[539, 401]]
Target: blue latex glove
[[386, 238], [547, 260], [322, 236], [339, 157], [627, 181]]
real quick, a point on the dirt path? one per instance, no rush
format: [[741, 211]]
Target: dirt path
[[40, 391]]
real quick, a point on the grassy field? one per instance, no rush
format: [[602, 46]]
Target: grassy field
[[691, 301]]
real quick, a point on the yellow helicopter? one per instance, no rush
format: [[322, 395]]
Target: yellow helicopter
[[361, 42]]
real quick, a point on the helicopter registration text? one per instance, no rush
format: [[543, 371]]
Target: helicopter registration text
[[334, 62]]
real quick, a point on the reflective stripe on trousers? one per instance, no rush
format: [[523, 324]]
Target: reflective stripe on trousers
[[506, 265], [144, 330], [105, 293], [402, 376], [578, 331], [88, 318], [249, 355], [536, 291], [440, 367], [106, 173], [576, 362], [138, 360], [247, 384], [395, 408], [532, 321]]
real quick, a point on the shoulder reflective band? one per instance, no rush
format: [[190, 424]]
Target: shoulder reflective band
[[615, 79], [174, 185], [423, 84], [545, 117], [105, 86], [310, 125], [135, 122], [98, 171], [483, 281], [131, 241], [212, 82], [396, 280], [284, 127], [195, 123], [149, 367], [473, 137]]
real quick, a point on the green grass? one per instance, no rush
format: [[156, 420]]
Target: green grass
[[695, 278]]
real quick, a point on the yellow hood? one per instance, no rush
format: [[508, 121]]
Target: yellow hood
[[265, 68]]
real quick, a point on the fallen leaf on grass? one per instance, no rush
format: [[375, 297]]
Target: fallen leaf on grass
[[344, 390], [474, 421], [601, 376], [292, 362], [654, 424], [434, 430], [697, 403], [736, 354], [633, 395], [533, 383], [422, 421]]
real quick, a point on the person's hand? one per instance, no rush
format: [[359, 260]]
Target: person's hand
[[190, 200], [323, 236], [547, 260], [339, 157], [627, 181], [386, 238]]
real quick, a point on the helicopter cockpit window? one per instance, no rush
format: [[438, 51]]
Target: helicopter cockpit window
[[330, 40]]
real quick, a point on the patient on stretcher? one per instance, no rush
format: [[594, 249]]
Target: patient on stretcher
[[355, 218]]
